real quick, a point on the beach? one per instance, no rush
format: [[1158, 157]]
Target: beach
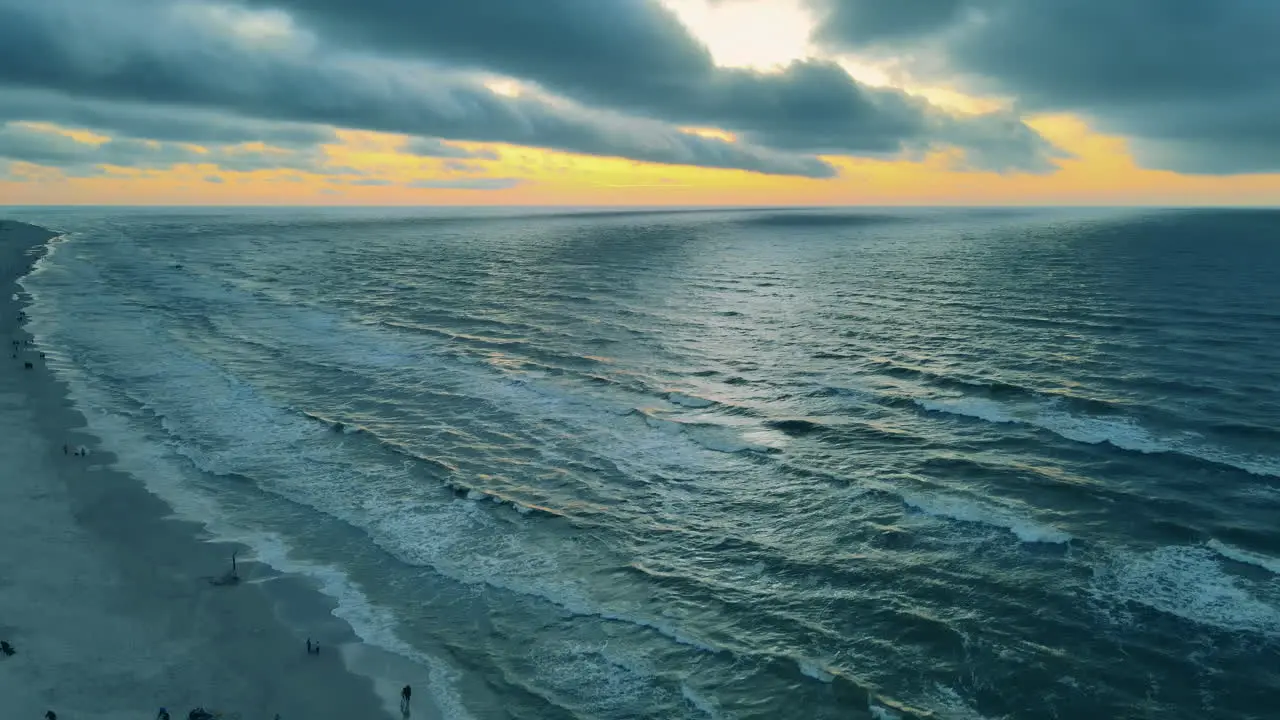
[[106, 596]]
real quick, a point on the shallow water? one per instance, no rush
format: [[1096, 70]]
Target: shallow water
[[738, 464]]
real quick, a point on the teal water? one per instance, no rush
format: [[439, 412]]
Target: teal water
[[727, 464]]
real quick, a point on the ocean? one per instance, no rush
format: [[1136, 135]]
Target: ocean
[[806, 464]]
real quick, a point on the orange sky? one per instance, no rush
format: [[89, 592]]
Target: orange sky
[[749, 33], [1101, 173]]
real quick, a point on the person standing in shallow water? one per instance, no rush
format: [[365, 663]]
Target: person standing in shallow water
[[405, 694]]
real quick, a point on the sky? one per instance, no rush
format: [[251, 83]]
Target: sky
[[640, 102]]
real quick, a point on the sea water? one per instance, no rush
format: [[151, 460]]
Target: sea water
[[720, 464]]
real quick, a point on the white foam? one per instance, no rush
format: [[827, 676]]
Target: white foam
[[947, 704], [1267, 562], [879, 712], [610, 682], [1124, 433], [707, 706], [724, 440], [812, 669], [972, 407], [717, 438], [970, 511], [1191, 583]]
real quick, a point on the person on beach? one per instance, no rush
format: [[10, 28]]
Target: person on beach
[[405, 694], [232, 577]]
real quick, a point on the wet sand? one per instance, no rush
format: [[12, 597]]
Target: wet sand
[[106, 596]]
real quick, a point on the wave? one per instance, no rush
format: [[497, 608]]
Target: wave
[[994, 390], [1188, 582], [1266, 562], [337, 426], [707, 706], [717, 438], [1122, 433], [966, 510], [796, 427], [688, 400]]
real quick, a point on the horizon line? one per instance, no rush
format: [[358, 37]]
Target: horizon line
[[525, 206]]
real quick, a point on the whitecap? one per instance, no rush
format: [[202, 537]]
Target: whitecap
[[970, 511], [1266, 562], [1191, 583]]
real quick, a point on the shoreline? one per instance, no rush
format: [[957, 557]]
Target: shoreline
[[104, 592]]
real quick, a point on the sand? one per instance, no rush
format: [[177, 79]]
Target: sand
[[106, 596]]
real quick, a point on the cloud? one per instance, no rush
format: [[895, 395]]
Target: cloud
[[467, 184], [154, 121], [437, 148], [48, 147], [53, 149], [859, 22], [1194, 83], [212, 58], [634, 56]]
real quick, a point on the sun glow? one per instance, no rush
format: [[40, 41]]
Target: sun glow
[[87, 137], [505, 87], [714, 133], [757, 34]]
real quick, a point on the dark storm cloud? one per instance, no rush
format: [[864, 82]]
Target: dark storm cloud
[[817, 107], [865, 21], [197, 56], [1195, 83], [635, 56], [156, 122]]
